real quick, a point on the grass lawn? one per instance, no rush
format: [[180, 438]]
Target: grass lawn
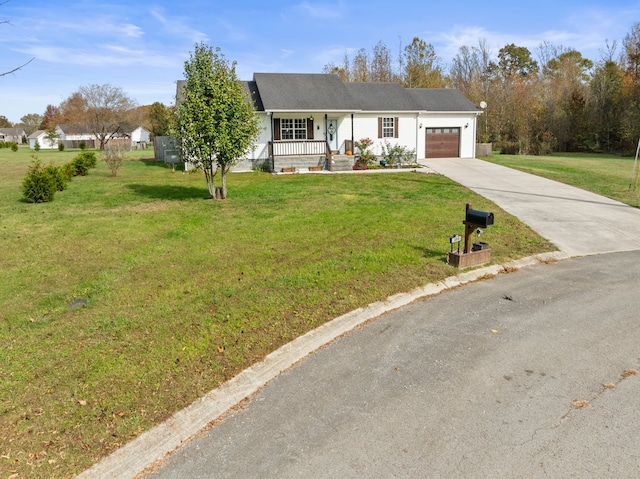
[[183, 293], [605, 175]]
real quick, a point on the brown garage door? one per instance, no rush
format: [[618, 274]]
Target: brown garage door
[[443, 143]]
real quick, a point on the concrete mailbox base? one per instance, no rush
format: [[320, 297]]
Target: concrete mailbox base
[[466, 260]]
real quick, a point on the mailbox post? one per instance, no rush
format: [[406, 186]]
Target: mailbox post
[[470, 256], [474, 219]]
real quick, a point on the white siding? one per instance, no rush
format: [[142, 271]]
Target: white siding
[[465, 121]]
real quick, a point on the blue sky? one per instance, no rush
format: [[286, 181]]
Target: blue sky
[[141, 46]]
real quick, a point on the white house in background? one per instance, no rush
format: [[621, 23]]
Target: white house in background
[[310, 118], [40, 137], [139, 137], [72, 135]]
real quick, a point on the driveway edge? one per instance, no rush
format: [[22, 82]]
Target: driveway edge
[[151, 446]]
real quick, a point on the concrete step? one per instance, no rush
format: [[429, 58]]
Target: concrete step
[[342, 163]]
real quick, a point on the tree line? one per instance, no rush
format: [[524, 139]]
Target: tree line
[[549, 100]]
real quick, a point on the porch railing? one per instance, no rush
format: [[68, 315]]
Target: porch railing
[[297, 148]]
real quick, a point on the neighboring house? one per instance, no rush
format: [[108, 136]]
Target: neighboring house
[[139, 137], [73, 135], [317, 116], [12, 134], [40, 136]]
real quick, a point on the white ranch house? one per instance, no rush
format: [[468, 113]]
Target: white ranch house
[[71, 136], [313, 120]]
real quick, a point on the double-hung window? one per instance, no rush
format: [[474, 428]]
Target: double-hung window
[[293, 129], [388, 127]]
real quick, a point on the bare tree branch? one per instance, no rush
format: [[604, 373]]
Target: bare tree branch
[[17, 68], [24, 64]]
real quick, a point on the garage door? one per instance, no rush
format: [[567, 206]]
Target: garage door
[[443, 143]]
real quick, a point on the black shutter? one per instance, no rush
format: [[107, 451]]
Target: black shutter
[[395, 127], [276, 128], [309, 128]]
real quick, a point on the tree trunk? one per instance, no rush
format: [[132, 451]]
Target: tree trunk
[[224, 184], [210, 173]]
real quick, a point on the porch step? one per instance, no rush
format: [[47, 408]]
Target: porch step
[[298, 162], [342, 163]]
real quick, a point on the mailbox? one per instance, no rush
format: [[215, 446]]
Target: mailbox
[[479, 218]]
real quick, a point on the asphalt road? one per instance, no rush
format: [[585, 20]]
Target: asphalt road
[[527, 375]]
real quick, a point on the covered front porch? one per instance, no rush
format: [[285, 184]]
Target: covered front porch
[[301, 142]]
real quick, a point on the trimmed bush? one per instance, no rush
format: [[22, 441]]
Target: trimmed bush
[[60, 146], [83, 162], [69, 170], [58, 175], [38, 186]]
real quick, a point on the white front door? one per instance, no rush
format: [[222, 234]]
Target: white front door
[[332, 133]]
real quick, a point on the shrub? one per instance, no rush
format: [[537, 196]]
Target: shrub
[[14, 147], [83, 145], [398, 154], [69, 170], [90, 158], [38, 186], [60, 146], [37, 146], [113, 157], [83, 162], [58, 175]]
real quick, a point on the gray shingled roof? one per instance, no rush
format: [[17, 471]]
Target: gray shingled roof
[[303, 92], [325, 92], [380, 97], [440, 99]]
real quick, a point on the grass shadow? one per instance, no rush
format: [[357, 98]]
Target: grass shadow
[[169, 192]]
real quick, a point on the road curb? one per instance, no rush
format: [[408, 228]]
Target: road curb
[[138, 455]]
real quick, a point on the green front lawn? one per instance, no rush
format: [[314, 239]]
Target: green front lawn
[[183, 293]]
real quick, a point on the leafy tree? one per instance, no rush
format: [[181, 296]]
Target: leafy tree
[[51, 117], [160, 118], [421, 66], [216, 123], [31, 122], [360, 71], [4, 123], [52, 136], [381, 70]]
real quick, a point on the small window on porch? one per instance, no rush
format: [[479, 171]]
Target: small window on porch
[[293, 129]]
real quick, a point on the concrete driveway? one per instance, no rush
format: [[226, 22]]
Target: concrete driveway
[[576, 221]]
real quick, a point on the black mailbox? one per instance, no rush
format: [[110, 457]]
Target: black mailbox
[[482, 219]]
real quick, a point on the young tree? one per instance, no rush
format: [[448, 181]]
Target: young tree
[[216, 123]]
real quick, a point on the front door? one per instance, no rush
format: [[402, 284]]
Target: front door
[[332, 133]]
